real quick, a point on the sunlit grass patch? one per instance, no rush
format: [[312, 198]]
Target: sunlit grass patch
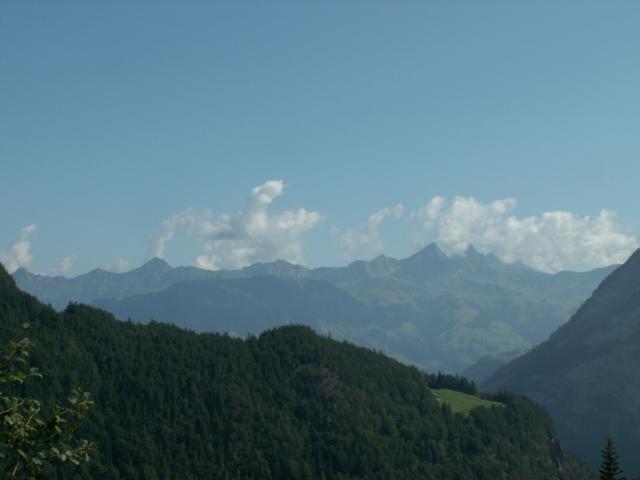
[[462, 402]]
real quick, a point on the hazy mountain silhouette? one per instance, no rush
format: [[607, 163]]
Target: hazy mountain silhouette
[[244, 305], [437, 311], [486, 366]]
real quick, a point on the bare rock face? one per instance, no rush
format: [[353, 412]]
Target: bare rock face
[[587, 374]]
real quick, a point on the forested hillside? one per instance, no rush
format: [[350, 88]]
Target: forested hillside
[[288, 404]]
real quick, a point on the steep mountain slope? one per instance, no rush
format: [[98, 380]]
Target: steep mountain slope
[[587, 373], [286, 405], [437, 311]]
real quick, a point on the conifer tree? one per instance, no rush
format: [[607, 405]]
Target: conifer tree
[[610, 468]]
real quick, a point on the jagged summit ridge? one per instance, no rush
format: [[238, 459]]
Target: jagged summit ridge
[[430, 251]]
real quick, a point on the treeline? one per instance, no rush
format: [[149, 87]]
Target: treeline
[[452, 382], [288, 404]]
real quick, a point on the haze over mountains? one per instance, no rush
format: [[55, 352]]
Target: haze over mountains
[[287, 404], [586, 374], [433, 310]]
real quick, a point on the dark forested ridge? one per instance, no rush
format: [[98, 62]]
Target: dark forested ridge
[[435, 311], [587, 373], [288, 404]]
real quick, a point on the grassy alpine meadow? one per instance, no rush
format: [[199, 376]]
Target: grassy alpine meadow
[[461, 402]]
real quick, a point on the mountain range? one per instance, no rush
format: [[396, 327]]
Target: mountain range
[[586, 374], [436, 311], [287, 404]]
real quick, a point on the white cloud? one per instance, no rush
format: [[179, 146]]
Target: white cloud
[[18, 253], [65, 265], [366, 239], [119, 266], [550, 242], [190, 221], [250, 235], [122, 265], [429, 213]]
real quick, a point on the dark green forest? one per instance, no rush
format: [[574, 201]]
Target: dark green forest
[[288, 404]]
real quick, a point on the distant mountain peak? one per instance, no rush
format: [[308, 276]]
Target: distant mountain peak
[[379, 258], [471, 251], [21, 272], [471, 254], [97, 271], [381, 266], [430, 251], [275, 263], [277, 267], [284, 263], [154, 265]]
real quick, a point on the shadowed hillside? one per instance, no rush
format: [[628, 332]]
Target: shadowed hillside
[[587, 373]]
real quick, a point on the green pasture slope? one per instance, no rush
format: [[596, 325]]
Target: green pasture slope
[[462, 402]]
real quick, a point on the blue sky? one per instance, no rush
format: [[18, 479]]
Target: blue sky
[[114, 116]]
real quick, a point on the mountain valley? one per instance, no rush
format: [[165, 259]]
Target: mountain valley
[[435, 311]]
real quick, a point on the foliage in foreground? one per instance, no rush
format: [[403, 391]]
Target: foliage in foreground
[[28, 443]]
